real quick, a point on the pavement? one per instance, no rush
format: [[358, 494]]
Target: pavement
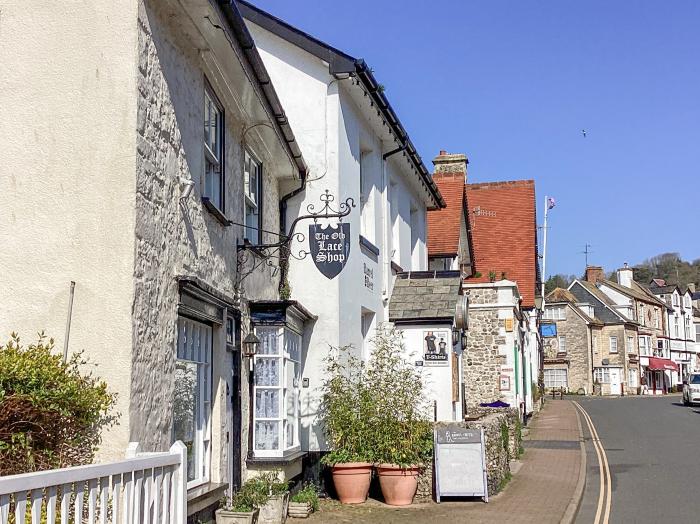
[[546, 489], [652, 448]]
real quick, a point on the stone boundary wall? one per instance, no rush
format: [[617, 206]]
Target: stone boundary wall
[[498, 457]]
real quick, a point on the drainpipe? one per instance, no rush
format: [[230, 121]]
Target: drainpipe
[[284, 256]]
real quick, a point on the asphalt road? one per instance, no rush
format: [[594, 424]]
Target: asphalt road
[[653, 450]]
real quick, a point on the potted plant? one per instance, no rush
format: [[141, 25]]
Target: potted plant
[[345, 412], [304, 502], [274, 510], [401, 427], [243, 508]]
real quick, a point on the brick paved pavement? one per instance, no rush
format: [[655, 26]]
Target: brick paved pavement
[[539, 493]]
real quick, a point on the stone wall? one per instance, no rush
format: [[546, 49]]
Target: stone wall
[[482, 358], [577, 358]]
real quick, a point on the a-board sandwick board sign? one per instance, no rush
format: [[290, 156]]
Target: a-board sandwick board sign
[[460, 463]]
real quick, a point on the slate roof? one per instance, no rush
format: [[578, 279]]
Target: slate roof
[[444, 225], [660, 290], [421, 298], [636, 291], [560, 295], [602, 305], [504, 233]]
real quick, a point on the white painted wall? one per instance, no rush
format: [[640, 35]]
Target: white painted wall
[[332, 131], [438, 379], [68, 142]]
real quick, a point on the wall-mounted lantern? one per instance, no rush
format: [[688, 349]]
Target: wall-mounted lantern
[[250, 344]]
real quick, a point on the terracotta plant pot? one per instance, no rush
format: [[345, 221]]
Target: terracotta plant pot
[[398, 484], [351, 481]]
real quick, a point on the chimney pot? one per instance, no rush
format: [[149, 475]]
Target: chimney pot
[[453, 164], [443, 152], [594, 274]]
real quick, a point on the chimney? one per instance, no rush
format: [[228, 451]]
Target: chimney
[[691, 287], [594, 274], [625, 275], [446, 163]]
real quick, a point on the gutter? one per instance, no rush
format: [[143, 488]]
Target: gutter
[[274, 106]]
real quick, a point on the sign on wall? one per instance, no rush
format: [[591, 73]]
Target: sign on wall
[[460, 463], [435, 344], [330, 248]]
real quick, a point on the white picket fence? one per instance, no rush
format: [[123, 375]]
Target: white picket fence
[[144, 488]]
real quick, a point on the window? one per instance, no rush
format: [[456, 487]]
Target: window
[[556, 378], [595, 343], [276, 397], [252, 172], [633, 377], [687, 328], [367, 320], [555, 313], [644, 346], [676, 327], [366, 212], [642, 319], [630, 344], [613, 344], [675, 300], [562, 344], [192, 401], [697, 332], [213, 150], [656, 318], [601, 375]]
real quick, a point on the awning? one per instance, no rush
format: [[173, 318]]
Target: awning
[[662, 364]]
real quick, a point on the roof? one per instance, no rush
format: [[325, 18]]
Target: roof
[[636, 292], [602, 305], [274, 106], [445, 225], [503, 227], [416, 297], [659, 290], [341, 63], [560, 295]]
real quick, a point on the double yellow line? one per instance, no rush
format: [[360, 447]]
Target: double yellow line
[[605, 492]]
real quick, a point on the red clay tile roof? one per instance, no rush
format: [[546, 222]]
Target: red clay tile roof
[[504, 233], [444, 224]]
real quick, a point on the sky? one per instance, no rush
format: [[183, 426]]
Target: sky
[[513, 83]]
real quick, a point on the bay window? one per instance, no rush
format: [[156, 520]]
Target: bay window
[[192, 399], [276, 392], [556, 378]]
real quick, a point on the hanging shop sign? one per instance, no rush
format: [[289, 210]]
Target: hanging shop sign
[[330, 247]]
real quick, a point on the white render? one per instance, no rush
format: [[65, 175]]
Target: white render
[[337, 129], [112, 121]]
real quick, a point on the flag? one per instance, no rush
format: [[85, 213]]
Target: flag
[[550, 203]]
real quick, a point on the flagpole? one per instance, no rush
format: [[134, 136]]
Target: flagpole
[[544, 247]]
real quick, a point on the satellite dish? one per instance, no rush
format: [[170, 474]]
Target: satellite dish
[[462, 312]]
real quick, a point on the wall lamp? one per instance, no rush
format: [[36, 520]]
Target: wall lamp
[[250, 344]]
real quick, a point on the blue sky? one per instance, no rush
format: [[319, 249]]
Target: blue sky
[[513, 83]]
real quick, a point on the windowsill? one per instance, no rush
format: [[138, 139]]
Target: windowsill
[[276, 461], [204, 495], [369, 246], [216, 212]]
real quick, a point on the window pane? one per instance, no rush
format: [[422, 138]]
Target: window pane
[[293, 343], [268, 341], [267, 403], [185, 411], [267, 372], [267, 435]]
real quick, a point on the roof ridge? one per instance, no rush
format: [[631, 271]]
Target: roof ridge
[[524, 182]]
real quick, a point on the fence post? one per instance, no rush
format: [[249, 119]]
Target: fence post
[[180, 484]]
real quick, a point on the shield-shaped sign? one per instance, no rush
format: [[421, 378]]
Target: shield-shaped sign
[[330, 247]]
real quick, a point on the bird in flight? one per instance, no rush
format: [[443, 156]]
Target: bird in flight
[[583, 132]]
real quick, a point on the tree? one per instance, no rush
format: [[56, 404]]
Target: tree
[[556, 281]]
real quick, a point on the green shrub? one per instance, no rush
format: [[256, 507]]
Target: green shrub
[[308, 494], [51, 413]]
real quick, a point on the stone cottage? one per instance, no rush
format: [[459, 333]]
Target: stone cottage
[[158, 146]]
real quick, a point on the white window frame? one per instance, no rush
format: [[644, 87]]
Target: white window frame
[[556, 378], [213, 150], [676, 301], [633, 377], [645, 349], [252, 196], [613, 338], [287, 353], [194, 345], [676, 327], [562, 344], [630, 344], [697, 333], [601, 375], [555, 313]]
